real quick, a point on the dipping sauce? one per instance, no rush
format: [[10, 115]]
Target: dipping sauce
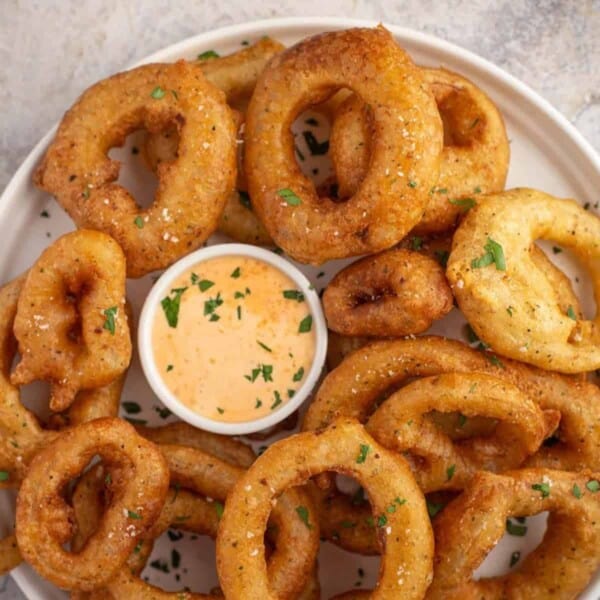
[[234, 339]]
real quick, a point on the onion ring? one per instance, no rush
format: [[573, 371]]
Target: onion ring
[[10, 557], [474, 159], [70, 324], [345, 447], [192, 190], [395, 190], [528, 324], [364, 376], [394, 293], [469, 527], [43, 518], [401, 424]]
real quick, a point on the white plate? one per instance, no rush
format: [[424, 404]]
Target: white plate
[[547, 153]]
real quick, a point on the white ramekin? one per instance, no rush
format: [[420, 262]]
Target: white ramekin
[[161, 289]]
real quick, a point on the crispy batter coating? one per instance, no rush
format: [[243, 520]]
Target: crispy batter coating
[[397, 292], [192, 189], [406, 138], [10, 556], [345, 447], [71, 323], [469, 527], [474, 159], [510, 303], [140, 477]]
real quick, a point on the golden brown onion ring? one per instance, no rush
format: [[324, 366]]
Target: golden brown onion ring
[[394, 293], [398, 506], [469, 527], [192, 189], [401, 424], [43, 520], [474, 159], [405, 125], [70, 324], [510, 303]]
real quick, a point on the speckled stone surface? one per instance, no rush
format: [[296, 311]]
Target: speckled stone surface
[[51, 50]]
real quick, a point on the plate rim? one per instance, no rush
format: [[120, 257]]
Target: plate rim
[[287, 25]]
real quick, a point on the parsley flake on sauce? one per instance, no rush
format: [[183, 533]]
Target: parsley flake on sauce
[[170, 306], [305, 325]]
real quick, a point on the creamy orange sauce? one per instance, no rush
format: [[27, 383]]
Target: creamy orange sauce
[[234, 339]]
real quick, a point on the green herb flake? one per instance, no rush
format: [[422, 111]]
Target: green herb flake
[[109, 319], [465, 204], [277, 400], [416, 242], [220, 410], [138, 547], [305, 325], [219, 508], [239, 313], [515, 528], [133, 515], [362, 455], [289, 196], [542, 488], [514, 558], [170, 306], [593, 485], [212, 304], [139, 222], [576, 491], [298, 375], [450, 472], [571, 313], [4, 476], [157, 93], [509, 310], [264, 346], [495, 360], [433, 508], [258, 403], [381, 521], [208, 55], [493, 254], [236, 273], [412, 184], [304, 515], [296, 295], [461, 420]]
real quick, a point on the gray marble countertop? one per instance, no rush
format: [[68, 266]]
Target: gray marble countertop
[[51, 50]]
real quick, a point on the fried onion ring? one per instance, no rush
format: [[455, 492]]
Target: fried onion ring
[[10, 556], [364, 376], [71, 325], [43, 518], [406, 138], [192, 189], [474, 159], [344, 447], [510, 303], [469, 527], [401, 423], [395, 293]]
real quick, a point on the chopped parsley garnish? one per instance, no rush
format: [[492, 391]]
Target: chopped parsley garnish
[[464, 203], [169, 368], [450, 472], [219, 508], [362, 455], [493, 254], [264, 346], [157, 93], [265, 370], [495, 360], [214, 317], [203, 284], [289, 196], [576, 491], [315, 147], [291, 393], [509, 310], [236, 273], [542, 488], [212, 304], [239, 313], [477, 190], [244, 199], [433, 508], [461, 420], [514, 558], [138, 547], [139, 222], [293, 295], [299, 374], [571, 313], [133, 515], [593, 485], [132, 408], [304, 515], [305, 325], [208, 55], [277, 400], [109, 319], [258, 403], [220, 410], [515, 528], [4, 476], [416, 242], [412, 184], [381, 521], [170, 306]]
